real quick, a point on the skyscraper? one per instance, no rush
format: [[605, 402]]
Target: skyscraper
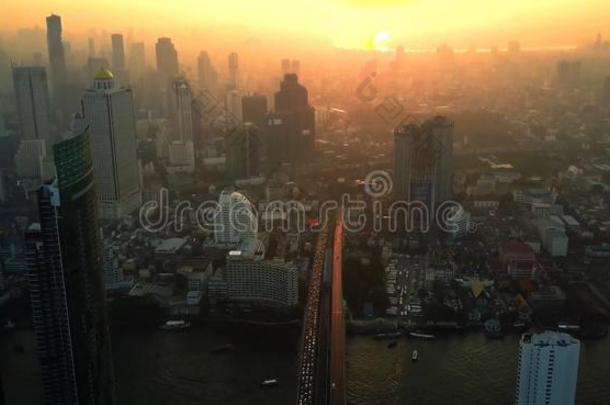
[[233, 71], [182, 152], [118, 52], [254, 110], [243, 148], [66, 285], [57, 58], [285, 67], [182, 100], [167, 58], [291, 138], [234, 113], [109, 113], [137, 60], [423, 162], [206, 74], [33, 162], [548, 369], [32, 96], [296, 67], [290, 67]]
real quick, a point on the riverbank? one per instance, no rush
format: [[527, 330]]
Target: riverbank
[[470, 367]]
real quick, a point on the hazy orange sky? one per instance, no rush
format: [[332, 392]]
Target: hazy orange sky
[[344, 23]]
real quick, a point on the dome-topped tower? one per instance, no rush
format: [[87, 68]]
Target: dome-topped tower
[[104, 80]]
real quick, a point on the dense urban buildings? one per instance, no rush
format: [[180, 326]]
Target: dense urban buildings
[[240, 189]]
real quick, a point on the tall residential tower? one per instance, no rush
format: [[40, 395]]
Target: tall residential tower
[[33, 105], [109, 113], [548, 369]]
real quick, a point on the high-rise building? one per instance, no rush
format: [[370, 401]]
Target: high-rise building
[[206, 74], [181, 107], [33, 162], [235, 223], [113, 274], [261, 283], [57, 57], [33, 105], [291, 137], [254, 110], [5, 70], [285, 67], [109, 113], [233, 111], [118, 52], [66, 284], [167, 58], [137, 60], [181, 157], [290, 67], [548, 369], [296, 67], [182, 152], [233, 71], [243, 148], [423, 162]]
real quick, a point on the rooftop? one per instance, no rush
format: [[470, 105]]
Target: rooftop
[[104, 74]]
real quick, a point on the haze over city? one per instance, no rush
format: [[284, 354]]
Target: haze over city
[[417, 24], [309, 202]]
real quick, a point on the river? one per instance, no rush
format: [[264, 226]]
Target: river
[[157, 367]]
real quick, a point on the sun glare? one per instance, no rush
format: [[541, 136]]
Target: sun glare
[[380, 41]]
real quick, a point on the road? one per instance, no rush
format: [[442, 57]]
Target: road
[[337, 322], [307, 379]]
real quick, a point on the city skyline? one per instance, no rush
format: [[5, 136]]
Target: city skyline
[[314, 203], [344, 24]]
